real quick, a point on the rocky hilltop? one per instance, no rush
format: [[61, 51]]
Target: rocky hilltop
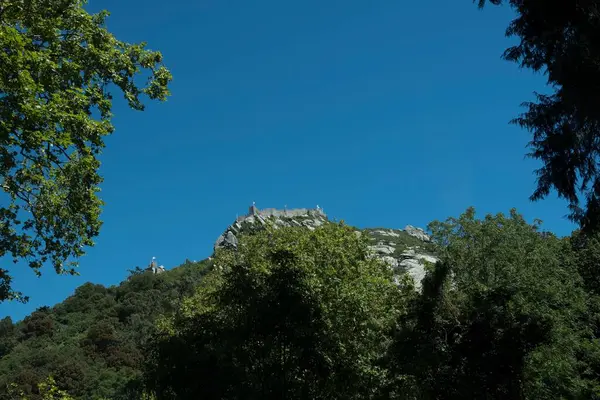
[[69, 340], [404, 250]]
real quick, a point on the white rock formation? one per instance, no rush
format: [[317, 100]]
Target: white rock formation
[[411, 260], [386, 232], [386, 242], [309, 218], [391, 261], [417, 232], [383, 249], [414, 263]]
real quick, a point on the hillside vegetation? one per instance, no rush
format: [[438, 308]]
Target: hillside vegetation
[[92, 343], [509, 311], [291, 305]]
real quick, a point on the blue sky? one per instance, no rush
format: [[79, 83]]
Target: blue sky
[[384, 113]]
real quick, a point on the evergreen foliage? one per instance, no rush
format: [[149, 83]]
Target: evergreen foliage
[[560, 39]]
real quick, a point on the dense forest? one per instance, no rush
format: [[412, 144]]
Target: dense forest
[[508, 310]]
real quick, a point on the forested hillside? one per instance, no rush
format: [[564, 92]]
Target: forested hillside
[[92, 343], [95, 343], [292, 305], [509, 311]]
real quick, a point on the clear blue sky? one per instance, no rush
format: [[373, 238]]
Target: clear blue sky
[[385, 113]]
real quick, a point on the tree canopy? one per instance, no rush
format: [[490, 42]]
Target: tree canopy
[[560, 38], [293, 314], [501, 317], [58, 66], [93, 344]]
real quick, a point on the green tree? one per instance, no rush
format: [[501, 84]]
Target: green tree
[[586, 250], [7, 336], [57, 68], [47, 389], [501, 317], [92, 344], [559, 38], [292, 314], [586, 258], [39, 323]]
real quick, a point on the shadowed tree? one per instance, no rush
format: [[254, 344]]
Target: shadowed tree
[[501, 317], [293, 314], [561, 39]]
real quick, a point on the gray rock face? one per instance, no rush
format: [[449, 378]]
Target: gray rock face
[[410, 261], [391, 261], [303, 217], [231, 240], [383, 249], [227, 240], [414, 263], [386, 232], [389, 246], [417, 232]]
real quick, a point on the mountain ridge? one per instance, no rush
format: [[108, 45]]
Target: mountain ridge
[[404, 250]]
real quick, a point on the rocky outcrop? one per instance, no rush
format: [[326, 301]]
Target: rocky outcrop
[[383, 249], [405, 251], [308, 218], [417, 233], [227, 239], [412, 261]]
